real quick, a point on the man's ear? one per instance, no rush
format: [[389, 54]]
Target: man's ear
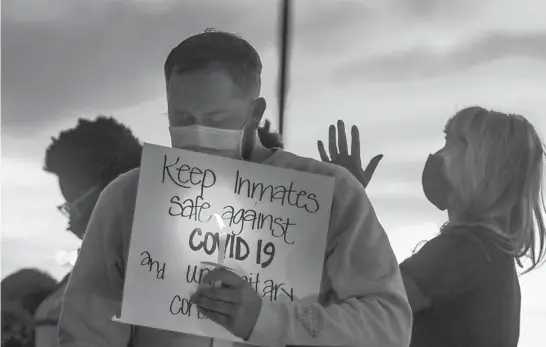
[[258, 110]]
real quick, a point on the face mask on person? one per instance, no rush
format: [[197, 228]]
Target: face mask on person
[[435, 183], [205, 139]]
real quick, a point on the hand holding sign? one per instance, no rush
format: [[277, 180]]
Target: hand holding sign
[[235, 305], [195, 212]]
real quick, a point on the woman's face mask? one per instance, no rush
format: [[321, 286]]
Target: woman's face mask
[[435, 183]]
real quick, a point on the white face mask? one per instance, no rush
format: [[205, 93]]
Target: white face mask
[[222, 142]]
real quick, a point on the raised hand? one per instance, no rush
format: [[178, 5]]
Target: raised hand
[[267, 138], [342, 157]]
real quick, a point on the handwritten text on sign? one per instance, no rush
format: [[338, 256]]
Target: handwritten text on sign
[[270, 222]]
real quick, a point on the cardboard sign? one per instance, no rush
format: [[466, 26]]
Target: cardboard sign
[[272, 223]]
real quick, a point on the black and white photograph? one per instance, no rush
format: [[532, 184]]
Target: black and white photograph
[[273, 173]]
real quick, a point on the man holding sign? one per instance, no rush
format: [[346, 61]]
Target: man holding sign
[[213, 88]]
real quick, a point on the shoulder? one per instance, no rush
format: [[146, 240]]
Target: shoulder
[[472, 237], [122, 189], [454, 248], [482, 240], [449, 266], [50, 308], [125, 182], [114, 211], [463, 240]]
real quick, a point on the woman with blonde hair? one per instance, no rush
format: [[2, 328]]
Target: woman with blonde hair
[[463, 285]]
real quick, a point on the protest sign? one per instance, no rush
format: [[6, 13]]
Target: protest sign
[[273, 223]]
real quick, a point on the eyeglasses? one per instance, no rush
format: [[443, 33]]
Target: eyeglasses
[[70, 208]]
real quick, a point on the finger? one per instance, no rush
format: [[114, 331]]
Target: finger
[[342, 138], [216, 317], [332, 142], [322, 152], [228, 278], [228, 295], [370, 169], [213, 305], [267, 125], [355, 142]]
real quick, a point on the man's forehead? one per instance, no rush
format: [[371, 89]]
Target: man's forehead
[[203, 88], [207, 78]]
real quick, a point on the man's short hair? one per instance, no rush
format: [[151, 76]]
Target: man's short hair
[[217, 49], [101, 149]]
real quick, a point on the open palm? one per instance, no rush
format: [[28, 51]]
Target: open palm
[[342, 157]]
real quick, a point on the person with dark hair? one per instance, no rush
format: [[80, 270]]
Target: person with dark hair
[[22, 293], [214, 106], [85, 160], [463, 284]]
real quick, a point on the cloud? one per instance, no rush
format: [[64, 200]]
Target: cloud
[[38, 254], [436, 8], [324, 26], [424, 62], [108, 55], [72, 58]]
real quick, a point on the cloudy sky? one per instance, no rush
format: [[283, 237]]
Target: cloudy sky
[[396, 68]]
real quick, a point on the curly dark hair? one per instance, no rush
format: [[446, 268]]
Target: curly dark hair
[[217, 49], [22, 293], [30, 286], [100, 149]]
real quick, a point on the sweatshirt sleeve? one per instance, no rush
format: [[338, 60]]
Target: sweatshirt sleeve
[[364, 303], [94, 292]]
